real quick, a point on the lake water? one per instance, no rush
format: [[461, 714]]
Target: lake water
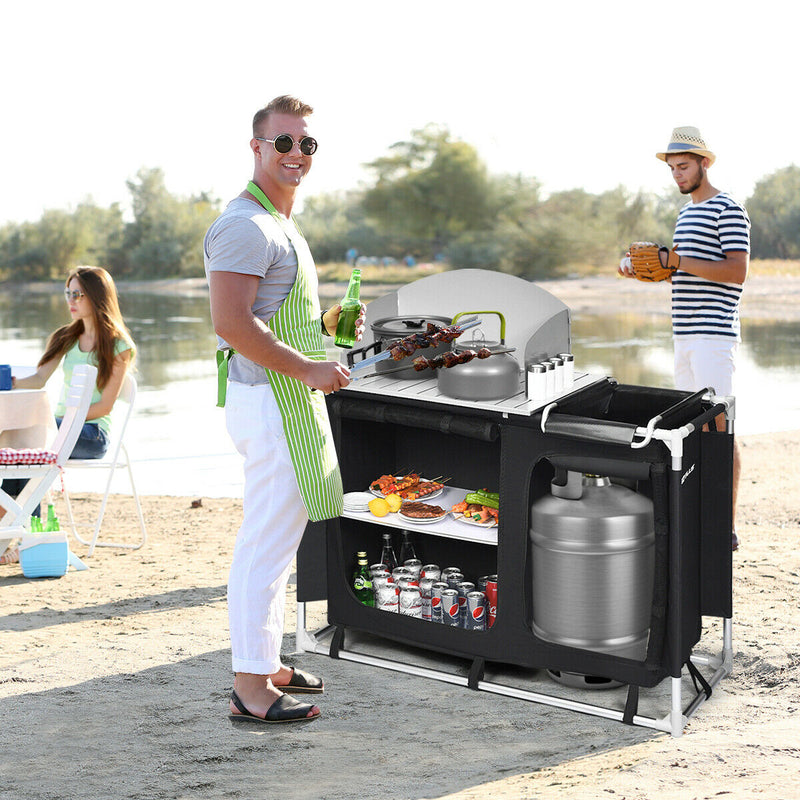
[[178, 438]]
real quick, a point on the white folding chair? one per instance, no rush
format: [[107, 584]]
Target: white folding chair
[[41, 476], [117, 456]]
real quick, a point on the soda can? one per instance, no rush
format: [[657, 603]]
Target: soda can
[[491, 599], [454, 578], [448, 571], [464, 588], [381, 573], [399, 572], [476, 612], [373, 568], [406, 581], [386, 597], [410, 602], [436, 600], [431, 571], [414, 564], [450, 612], [425, 586]]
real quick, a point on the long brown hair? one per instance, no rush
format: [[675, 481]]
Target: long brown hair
[[99, 288]]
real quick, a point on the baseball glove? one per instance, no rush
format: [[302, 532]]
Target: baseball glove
[[646, 261]]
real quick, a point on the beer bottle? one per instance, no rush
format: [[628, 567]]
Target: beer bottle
[[362, 580], [351, 306], [387, 554], [52, 520]]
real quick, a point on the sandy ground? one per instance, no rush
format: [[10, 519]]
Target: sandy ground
[[114, 684]]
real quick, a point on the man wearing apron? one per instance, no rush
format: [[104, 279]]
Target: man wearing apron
[[273, 378]]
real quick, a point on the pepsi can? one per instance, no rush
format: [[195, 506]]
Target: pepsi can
[[454, 578], [464, 588], [436, 600], [476, 612], [431, 571], [425, 586], [450, 612], [448, 571], [410, 602]]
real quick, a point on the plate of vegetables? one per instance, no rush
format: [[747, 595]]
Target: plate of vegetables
[[481, 508]]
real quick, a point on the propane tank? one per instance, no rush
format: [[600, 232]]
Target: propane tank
[[593, 560]]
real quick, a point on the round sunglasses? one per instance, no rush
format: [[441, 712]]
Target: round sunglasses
[[73, 295], [283, 143]]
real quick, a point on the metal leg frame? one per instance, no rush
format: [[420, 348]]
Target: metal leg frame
[[673, 723]]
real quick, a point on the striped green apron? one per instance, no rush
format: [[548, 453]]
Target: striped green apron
[[303, 410]]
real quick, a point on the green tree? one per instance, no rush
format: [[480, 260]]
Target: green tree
[[429, 190], [774, 210], [166, 236]]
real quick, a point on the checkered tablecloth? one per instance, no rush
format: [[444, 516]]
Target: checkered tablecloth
[[9, 456]]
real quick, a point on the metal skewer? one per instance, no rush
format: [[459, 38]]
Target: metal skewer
[[471, 322]]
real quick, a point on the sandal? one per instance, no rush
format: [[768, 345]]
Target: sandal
[[302, 683], [11, 556], [284, 709]]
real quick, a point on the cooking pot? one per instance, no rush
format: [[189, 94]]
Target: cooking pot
[[492, 378], [389, 329]]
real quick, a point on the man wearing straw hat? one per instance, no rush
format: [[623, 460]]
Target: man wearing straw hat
[[709, 263]]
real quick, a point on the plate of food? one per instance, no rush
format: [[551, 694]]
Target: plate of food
[[478, 508], [409, 487], [421, 513]]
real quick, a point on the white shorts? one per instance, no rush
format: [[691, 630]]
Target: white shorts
[[705, 363]]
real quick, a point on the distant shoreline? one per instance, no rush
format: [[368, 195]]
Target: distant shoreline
[[774, 297]]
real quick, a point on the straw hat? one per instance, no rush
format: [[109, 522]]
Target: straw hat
[[687, 140]]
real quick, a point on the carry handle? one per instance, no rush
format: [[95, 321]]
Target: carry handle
[[502, 321]]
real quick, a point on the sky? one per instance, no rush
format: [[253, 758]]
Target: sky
[[574, 94]]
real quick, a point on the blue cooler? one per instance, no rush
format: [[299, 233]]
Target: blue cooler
[[44, 555]]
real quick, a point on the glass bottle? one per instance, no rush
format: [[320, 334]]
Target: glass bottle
[[351, 307], [362, 580], [387, 554], [406, 548], [52, 520]]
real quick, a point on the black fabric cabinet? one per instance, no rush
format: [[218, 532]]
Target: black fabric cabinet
[[591, 432]]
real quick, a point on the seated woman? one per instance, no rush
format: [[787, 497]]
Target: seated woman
[[98, 336]]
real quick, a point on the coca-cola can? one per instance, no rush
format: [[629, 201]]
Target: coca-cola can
[[491, 599], [436, 600], [410, 602], [476, 612], [454, 578], [414, 564], [373, 568], [385, 597], [464, 588], [431, 571], [425, 586], [450, 612]]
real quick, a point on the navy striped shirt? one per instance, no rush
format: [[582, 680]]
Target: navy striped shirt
[[708, 230]]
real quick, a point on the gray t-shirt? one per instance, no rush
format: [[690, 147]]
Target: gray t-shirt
[[247, 239]]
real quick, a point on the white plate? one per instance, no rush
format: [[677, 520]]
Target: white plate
[[492, 523], [357, 501], [379, 493], [420, 520]]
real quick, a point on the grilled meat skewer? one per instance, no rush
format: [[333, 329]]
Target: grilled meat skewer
[[450, 359]]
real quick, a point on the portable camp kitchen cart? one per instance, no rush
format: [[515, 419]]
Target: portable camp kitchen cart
[[646, 438]]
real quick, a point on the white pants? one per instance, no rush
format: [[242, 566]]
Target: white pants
[[700, 363], [272, 527]]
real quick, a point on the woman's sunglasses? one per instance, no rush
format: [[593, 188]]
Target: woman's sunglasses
[[74, 296], [283, 143]]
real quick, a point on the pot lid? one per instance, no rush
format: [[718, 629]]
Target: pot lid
[[475, 341], [406, 325]]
